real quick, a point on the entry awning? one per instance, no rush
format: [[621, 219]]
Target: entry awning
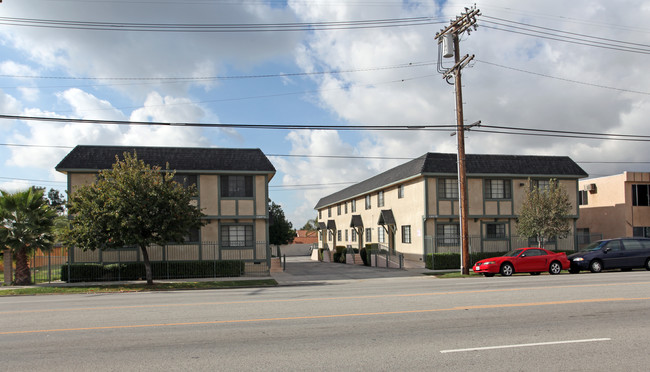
[[356, 221], [386, 218], [321, 226], [331, 225]]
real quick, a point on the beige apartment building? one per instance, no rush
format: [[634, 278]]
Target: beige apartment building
[[232, 193], [615, 206], [415, 205]]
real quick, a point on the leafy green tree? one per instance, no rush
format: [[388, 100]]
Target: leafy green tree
[[132, 204], [544, 213], [311, 225], [56, 201], [280, 230], [26, 224]]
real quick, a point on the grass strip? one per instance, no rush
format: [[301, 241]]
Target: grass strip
[[117, 288]]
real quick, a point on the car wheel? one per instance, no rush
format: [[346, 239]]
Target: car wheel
[[573, 271], [647, 264], [555, 268], [535, 273], [507, 269], [596, 266], [488, 275]]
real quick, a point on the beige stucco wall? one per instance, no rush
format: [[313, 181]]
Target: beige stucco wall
[[407, 211], [261, 196], [609, 209], [209, 194], [81, 179]]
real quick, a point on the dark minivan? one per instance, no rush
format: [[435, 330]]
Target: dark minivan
[[620, 253]]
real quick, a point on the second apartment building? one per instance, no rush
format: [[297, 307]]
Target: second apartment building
[[416, 202]]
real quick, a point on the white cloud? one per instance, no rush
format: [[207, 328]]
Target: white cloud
[[87, 106], [148, 54]]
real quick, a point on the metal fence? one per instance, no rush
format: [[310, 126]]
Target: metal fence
[[480, 244], [192, 260]]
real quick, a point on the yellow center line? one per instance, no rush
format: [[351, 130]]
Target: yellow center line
[[456, 308], [446, 293]]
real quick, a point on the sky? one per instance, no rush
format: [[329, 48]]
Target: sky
[[540, 70]]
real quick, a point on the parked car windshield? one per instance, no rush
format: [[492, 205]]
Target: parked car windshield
[[513, 253], [595, 246]]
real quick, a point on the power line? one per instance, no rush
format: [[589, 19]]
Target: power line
[[585, 36], [426, 127], [227, 77], [216, 27], [563, 79], [566, 39]]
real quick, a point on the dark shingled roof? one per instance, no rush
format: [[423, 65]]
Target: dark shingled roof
[[477, 165], [196, 159]]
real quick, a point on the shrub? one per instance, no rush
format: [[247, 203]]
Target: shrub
[[449, 261], [339, 254]]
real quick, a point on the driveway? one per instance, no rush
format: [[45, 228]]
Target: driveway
[[303, 271]]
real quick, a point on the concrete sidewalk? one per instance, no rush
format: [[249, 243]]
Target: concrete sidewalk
[[300, 270], [304, 271]]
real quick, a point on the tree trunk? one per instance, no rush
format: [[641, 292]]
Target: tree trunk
[[147, 265], [23, 276]]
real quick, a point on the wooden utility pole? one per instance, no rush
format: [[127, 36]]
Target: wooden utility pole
[[465, 22]]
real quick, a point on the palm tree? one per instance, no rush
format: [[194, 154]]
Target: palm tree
[[26, 224]]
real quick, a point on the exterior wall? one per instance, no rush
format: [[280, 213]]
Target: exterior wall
[[609, 209], [80, 179], [252, 211], [423, 210], [407, 211]]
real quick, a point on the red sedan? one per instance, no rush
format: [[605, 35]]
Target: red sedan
[[523, 260]]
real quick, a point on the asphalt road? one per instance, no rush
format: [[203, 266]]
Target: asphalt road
[[567, 322]]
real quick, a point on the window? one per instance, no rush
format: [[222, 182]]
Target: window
[[447, 188], [368, 202], [329, 235], [192, 236], [641, 232], [368, 235], [583, 197], [535, 252], [406, 234], [338, 235], [353, 205], [338, 210], [380, 199], [237, 186], [381, 237], [640, 195], [400, 191], [583, 236], [320, 214], [320, 236], [329, 211], [237, 236], [633, 245], [497, 189], [346, 207], [542, 185], [186, 180], [448, 234], [346, 235], [354, 235], [495, 231]]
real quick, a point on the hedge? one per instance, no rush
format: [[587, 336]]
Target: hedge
[[449, 261], [80, 272], [339, 254]]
